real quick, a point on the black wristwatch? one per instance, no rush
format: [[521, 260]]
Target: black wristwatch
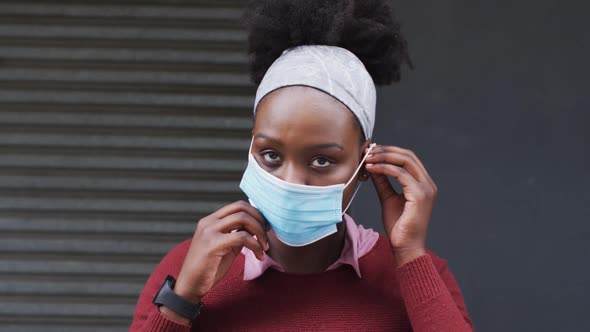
[[172, 301]]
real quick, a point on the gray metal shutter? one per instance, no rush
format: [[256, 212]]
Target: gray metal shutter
[[121, 124]]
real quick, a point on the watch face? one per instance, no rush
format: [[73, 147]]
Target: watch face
[[158, 293], [171, 280], [164, 289]]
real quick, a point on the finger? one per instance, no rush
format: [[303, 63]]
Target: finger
[[382, 186], [399, 158], [243, 221], [241, 239], [417, 161], [237, 207], [403, 176]]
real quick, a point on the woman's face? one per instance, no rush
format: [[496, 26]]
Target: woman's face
[[304, 136]]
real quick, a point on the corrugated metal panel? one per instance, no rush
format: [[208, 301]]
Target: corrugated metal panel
[[121, 124]]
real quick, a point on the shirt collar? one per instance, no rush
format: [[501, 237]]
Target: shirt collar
[[358, 242]]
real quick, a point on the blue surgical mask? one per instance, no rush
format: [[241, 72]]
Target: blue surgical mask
[[298, 214]]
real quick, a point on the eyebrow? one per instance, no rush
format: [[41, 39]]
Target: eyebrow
[[326, 146], [311, 147], [268, 138]]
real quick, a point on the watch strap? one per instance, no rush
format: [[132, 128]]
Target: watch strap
[[176, 303]]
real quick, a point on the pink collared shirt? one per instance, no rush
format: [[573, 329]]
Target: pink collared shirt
[[357, 243]]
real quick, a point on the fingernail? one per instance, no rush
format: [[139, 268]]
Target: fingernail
[[369, 165]]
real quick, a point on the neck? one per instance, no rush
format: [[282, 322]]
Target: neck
[[313, 258]]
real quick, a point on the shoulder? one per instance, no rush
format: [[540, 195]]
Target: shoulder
[[172, 262], [176, 255], [382, 248]]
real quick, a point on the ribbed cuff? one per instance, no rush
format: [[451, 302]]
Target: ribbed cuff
[[419, 281], [157, 322]]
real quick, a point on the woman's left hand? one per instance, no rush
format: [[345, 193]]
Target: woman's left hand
[[405, 215]]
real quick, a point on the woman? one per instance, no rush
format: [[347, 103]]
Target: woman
[[290, 258]]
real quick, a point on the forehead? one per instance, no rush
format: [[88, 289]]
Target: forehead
[[304, 113]]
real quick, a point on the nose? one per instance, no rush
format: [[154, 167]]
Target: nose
[[292, 174]]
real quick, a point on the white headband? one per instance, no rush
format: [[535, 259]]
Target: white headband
[[331, 69]]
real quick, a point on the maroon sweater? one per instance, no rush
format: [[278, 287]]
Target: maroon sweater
[[421, 295]]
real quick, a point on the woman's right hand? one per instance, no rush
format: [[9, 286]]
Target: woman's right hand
[[218, 240]]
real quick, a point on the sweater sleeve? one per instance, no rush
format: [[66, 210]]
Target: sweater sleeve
[[432, 296], [147, 316]]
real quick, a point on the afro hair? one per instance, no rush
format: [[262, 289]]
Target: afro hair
[[366, 28]]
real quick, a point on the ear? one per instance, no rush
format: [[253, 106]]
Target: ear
[[363, 175], [364, 146]]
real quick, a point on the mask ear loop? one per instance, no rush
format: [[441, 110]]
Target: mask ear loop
[[249, 155], [353, 176], [250, 148]]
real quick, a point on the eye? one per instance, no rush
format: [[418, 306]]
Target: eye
[[321, 162], [271, 157]]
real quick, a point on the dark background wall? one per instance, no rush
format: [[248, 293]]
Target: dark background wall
[[498, 110]]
